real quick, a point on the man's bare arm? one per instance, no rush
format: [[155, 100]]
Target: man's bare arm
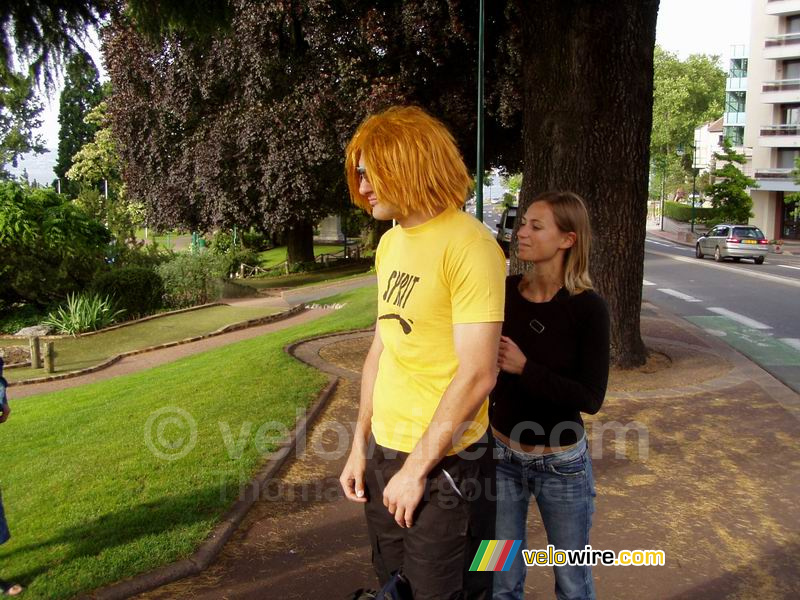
[[352, 477], [476, 347]]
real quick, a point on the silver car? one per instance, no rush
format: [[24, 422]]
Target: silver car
[[733, 241]]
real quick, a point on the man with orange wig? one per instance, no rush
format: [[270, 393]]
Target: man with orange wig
[[421, 460]]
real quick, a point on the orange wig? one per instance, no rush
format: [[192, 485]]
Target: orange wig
[[412, 162]]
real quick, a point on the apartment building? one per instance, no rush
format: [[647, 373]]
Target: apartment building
[[770, 90]]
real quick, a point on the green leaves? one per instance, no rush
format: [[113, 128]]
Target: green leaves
[[81, 313], [49, 246]]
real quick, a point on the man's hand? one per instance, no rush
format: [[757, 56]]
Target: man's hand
[[510, 358], [402, 495], [352, 477], [6, 412]]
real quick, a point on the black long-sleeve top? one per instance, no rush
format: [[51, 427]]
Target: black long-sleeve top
[[566, 344]]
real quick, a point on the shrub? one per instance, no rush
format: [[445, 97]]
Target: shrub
[[232, 260], [87, 312], [683, 212], [14, 318], [256, 240], [140, 255], [136, 290], [222, 242], [49, 247], [191, 279]]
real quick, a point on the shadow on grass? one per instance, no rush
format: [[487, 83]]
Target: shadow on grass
[[124, 526]]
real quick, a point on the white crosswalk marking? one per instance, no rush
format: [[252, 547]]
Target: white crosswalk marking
[[746, 321], [645, 282], [793, 342], [789, 267], [677, 294]]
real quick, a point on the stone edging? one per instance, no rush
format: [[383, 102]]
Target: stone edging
[[107, 363], [113, 327], [220, 535]]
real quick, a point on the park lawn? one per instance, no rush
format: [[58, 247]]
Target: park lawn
[[275, 256], [310, 278], [89, 503], [82, 352]]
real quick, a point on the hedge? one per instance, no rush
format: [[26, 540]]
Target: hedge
[[683, 212]]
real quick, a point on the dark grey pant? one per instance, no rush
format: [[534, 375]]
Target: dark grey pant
[[435, 553]]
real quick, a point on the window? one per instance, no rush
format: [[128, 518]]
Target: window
[[786, 158], [790, 114], [735, 101], [791, 69], [722, 231], [735, 135], [738, 68], [793, 24], [748, 233]]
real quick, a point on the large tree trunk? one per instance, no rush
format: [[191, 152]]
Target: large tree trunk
[[300, 243], [373, 233], [587, 113]]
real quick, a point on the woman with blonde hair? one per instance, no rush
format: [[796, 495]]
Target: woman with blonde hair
[[553, 358]]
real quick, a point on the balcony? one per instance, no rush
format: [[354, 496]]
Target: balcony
[[775, 180], [781, 91], [779, 136], [783, 7], [782, 46]]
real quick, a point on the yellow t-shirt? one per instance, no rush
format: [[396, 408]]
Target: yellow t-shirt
[[446, 271]]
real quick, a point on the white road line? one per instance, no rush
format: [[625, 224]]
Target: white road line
[[746, 321], [677, 294], [712, 265], [793, 342], [660, 243], [789, 267], [645, 282]]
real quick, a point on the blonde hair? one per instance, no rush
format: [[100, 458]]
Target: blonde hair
[[412, 162], [570, 215]]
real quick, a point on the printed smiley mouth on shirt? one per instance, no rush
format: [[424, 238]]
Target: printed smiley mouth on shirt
[[406, 325]]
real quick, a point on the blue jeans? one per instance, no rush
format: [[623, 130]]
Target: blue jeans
[[563, 486]]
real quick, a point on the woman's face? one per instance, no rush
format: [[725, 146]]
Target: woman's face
[[540, 239]]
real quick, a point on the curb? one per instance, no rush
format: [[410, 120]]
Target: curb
[[216, 540], [107, 363]]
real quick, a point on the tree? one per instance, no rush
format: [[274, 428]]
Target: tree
[[81, 93], [686, 94], [49, 246], [19, 116], [729, 195], [251, 131], [587, 116], [44, 34], [95, 168]]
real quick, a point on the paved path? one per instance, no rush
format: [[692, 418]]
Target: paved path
[[709, 473]]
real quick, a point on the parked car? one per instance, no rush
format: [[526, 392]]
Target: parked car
[[505, 227], [733, 241]]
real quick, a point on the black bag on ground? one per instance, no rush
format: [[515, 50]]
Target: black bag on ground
[[397, 588]]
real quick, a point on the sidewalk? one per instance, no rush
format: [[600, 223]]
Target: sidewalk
[[711, 478]]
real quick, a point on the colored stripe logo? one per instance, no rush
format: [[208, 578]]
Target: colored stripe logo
[[495, 555]]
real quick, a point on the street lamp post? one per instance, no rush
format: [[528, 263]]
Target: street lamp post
[[479, 165]]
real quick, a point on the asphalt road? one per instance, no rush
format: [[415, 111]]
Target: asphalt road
[[754, 308]]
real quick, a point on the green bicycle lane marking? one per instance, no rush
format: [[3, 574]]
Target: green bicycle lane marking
[[757, 345]]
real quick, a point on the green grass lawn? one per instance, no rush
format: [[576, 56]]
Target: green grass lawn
[[275, 256], [79, 353], [310, 278], [89, 504]]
